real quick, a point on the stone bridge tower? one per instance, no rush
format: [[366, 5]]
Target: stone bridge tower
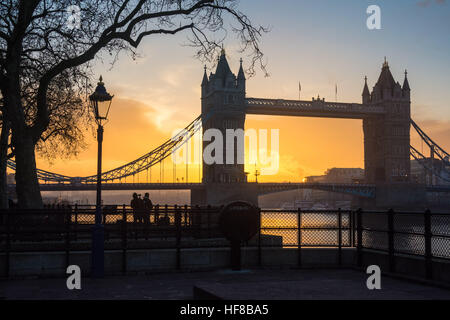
[[223, 107], [387, 138], [223, 99], [387, 144]]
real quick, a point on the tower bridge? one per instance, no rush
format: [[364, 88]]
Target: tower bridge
[[385, 112]]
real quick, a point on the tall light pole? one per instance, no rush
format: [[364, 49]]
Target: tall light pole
[[100, 102]]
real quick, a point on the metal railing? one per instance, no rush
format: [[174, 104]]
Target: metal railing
[[306, 228], [68, 229], [424, 235]]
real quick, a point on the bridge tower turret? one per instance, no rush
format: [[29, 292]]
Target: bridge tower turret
[[387, 137], [241, 79], [366, 93], [406, 91], [223, 98]]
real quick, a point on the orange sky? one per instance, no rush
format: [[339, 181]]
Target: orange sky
[[160, 91], [308, 146]]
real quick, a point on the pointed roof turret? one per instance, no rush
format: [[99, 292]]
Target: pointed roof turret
[[385, 80], [241, 75], [223, 69], [205, 78], [406, 83], [366, 88]]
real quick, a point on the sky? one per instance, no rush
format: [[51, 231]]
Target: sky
[[319, 43]]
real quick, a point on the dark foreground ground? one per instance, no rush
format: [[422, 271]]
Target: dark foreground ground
[[254, 284]]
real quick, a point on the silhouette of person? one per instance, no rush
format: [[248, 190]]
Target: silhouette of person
[[134, 206], [148, 206], [140, 209]]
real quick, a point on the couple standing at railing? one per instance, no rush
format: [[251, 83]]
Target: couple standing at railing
[[141, 208]]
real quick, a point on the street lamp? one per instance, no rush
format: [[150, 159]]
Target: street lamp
[[100, 102]]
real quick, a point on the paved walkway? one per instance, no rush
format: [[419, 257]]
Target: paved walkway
[[255, 284]]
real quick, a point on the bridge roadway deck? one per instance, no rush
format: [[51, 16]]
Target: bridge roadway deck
[[263, 187], [360, 190]]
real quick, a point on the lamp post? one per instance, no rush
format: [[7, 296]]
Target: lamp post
[[100, 102]]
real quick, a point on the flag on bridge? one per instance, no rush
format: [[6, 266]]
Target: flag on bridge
[[335, 93], [299, 89]]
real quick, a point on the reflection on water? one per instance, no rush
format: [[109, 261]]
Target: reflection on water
[[322, 229], [317, 229], [409, 233]]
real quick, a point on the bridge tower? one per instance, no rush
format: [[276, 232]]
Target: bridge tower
[[387, 143], [387, 138], [223, 108], [223, 96]]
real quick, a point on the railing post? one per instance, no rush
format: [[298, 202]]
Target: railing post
[[197, 223], [359, 233], [104, 214], [76, 222], [428, 253], [208, 221], [178, 237], [351, 235], [259, 239], [339, 237], [8, 242], [124, 239], [391, 249], [156, 214], [166, 215], [68, 217], [185, 215], [299, 237]]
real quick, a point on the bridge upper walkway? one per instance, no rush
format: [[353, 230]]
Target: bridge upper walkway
[[315, 108]]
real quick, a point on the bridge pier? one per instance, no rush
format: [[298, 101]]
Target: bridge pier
[[217, 194], [400, 196], [364, 203], [409, 196], [198, 197]]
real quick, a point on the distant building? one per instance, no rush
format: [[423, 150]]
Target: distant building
[[344, 175], [312, 179], [333, 175]]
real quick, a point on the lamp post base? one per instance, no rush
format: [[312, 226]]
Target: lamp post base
[[98, 256]]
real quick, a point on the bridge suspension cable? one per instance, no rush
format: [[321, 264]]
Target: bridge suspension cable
[[424, 163], [441, 153], [435, 150], [132, 168]]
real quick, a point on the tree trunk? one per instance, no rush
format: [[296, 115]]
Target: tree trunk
[[3, 159], [27, 184]]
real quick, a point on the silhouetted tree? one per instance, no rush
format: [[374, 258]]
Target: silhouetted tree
[[64, 136], [47, 45], [4, 145]]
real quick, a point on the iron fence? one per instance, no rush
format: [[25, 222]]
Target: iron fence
[[69, 229], [424, 235]]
